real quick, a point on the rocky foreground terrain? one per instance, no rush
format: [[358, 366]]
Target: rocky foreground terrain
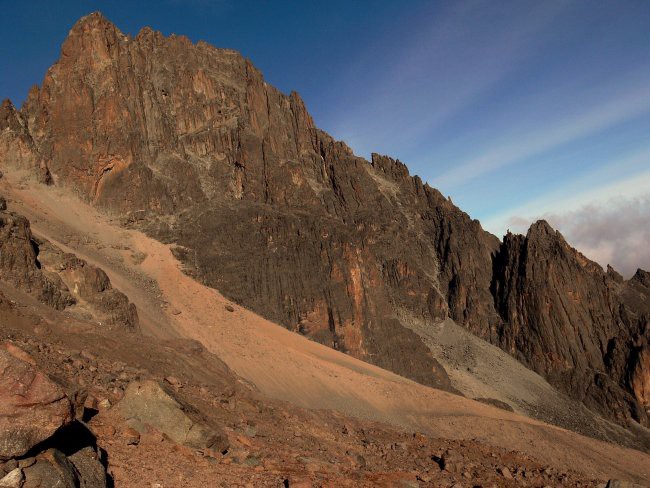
[[162, 208], [108, 414]]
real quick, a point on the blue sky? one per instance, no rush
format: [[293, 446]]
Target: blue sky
[[516, 109]]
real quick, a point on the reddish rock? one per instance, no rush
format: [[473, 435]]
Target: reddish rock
[[640, 377], [32, 407], [16, 144]]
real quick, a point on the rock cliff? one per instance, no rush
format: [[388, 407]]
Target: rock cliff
[[583, 329], [192, 145]]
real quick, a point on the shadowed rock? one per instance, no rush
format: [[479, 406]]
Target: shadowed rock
[[90, 470], [90, 285], [19, 264], [568, 320], [55, 278], [51, 470]]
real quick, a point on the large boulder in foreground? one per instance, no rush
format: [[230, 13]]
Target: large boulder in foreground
[[32, 407], [148, 403]]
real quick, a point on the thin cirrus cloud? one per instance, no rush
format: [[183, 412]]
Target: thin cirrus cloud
[[447, 60], [483, 98], [630, 102], [625, 176]]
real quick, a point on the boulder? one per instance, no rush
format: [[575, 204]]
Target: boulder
[[149, 403], [91, 472], [32, 407], [13, 479], [51, 470]]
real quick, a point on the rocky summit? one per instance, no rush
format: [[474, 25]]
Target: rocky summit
[[187, 145]]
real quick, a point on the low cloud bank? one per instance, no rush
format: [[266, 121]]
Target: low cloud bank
[[616, 232]]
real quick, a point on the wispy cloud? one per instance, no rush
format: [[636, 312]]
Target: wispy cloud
[[604, 215], [449, 60], [627, 103]]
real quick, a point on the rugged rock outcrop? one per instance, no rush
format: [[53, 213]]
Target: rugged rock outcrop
[[58, 279], [17, 145], [199, 150], [19, 265], [89, 286], [583, 329]]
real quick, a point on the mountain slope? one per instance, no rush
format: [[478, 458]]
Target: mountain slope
[[276, 364], [198, 150]]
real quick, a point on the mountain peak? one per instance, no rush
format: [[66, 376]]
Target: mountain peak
[[543, 230], [643, 277], [90, 21], [6, 107], [9, 116], [541, 226], [92, 26]]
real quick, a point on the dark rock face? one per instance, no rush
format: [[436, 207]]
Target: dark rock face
[[574, 324], [199, 150], [19, 264]]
